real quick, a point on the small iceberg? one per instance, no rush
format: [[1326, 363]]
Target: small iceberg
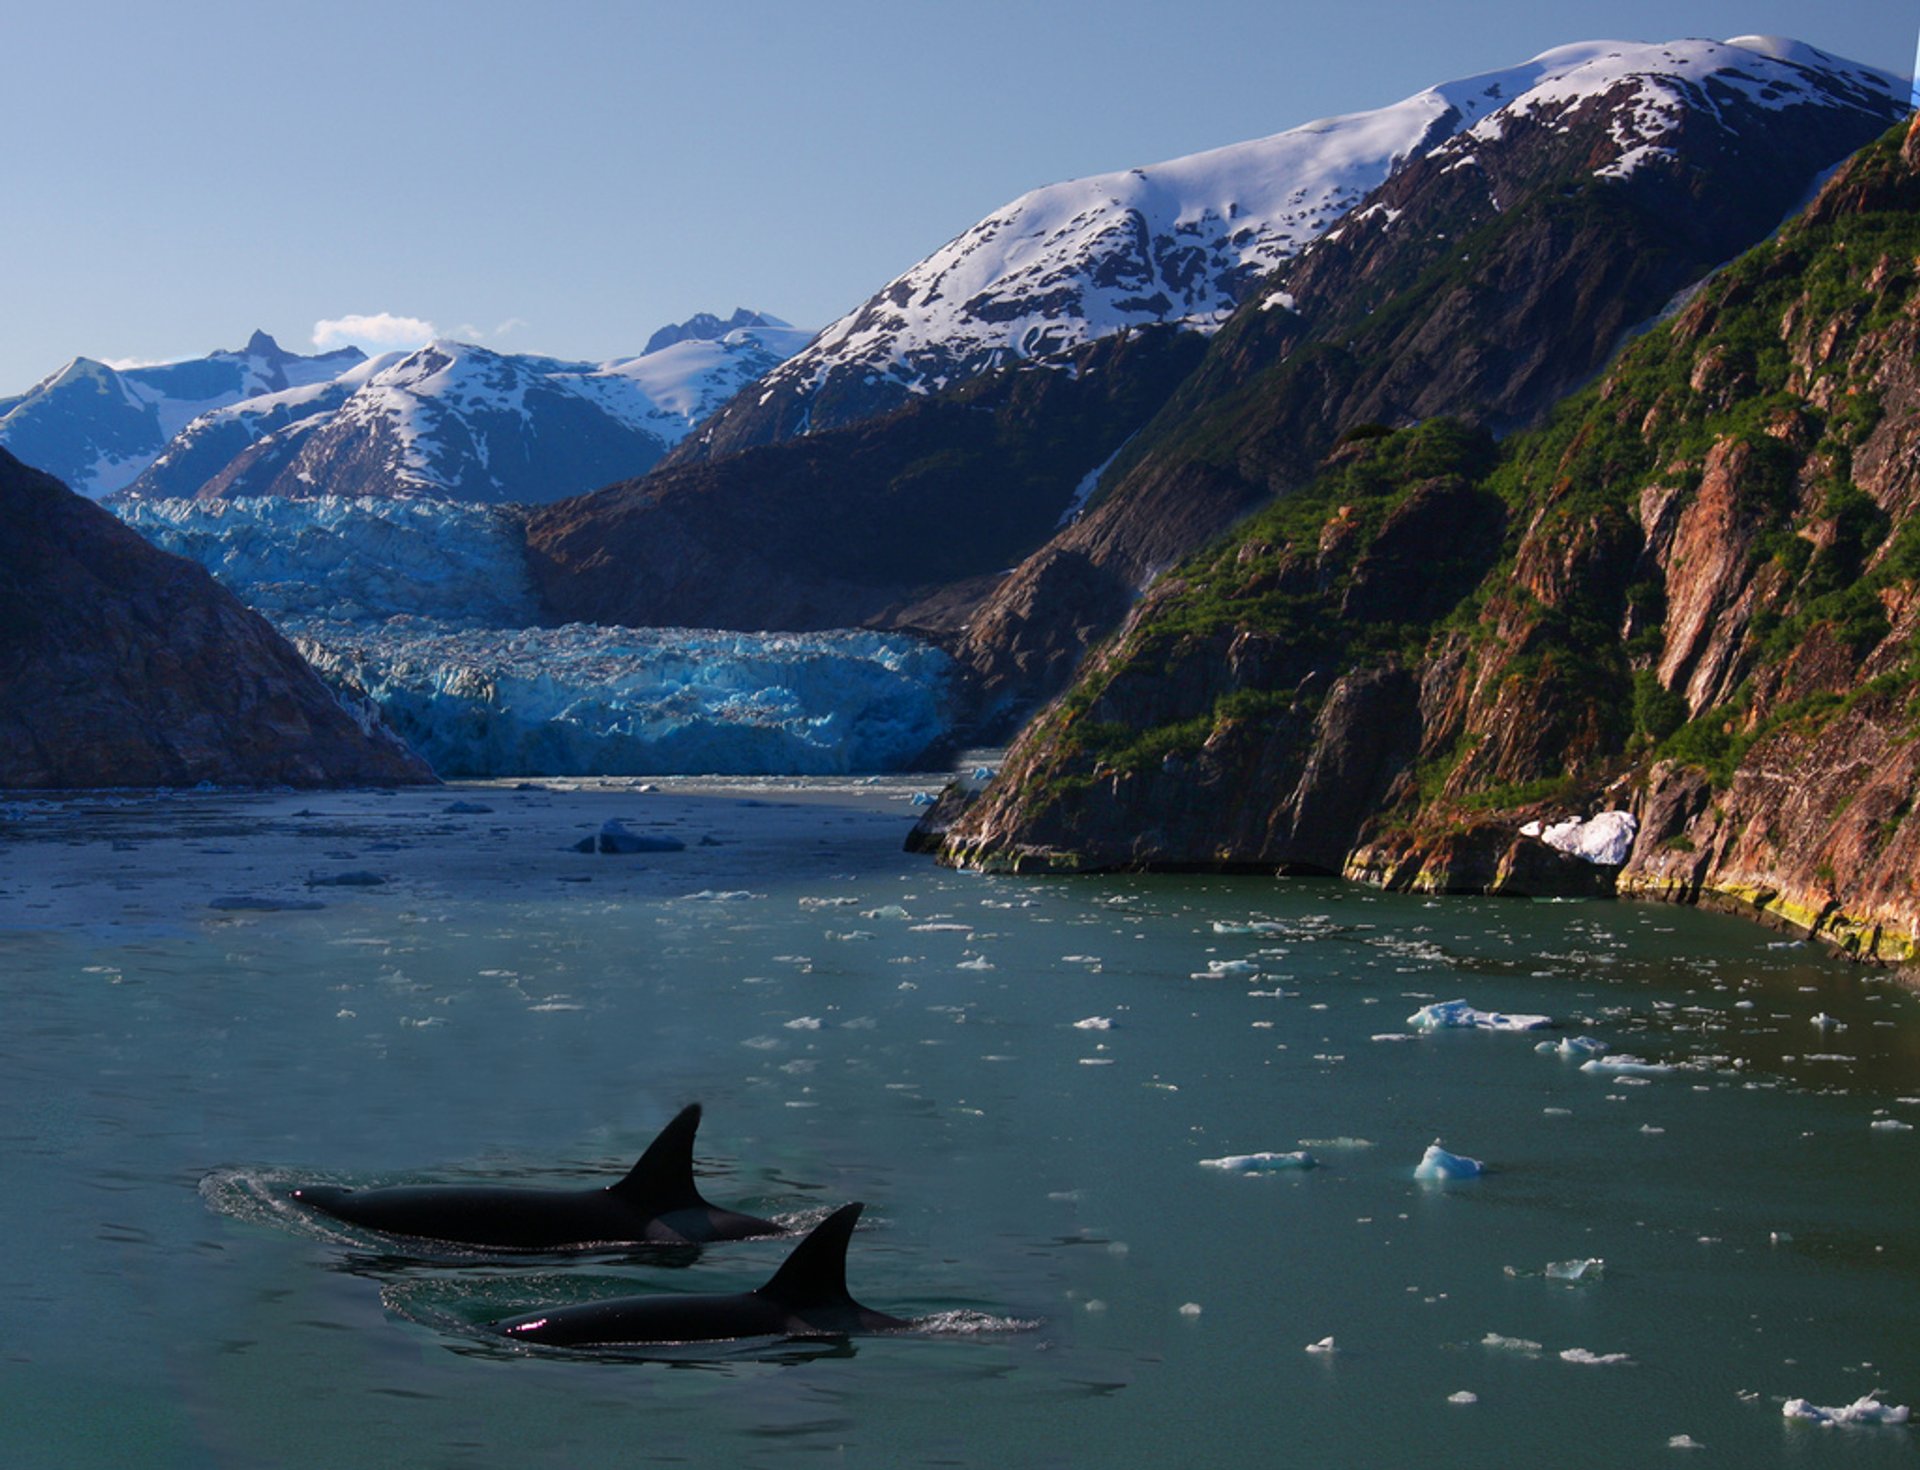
[[1437, 1163], [1326, 1346], [1220, 969], [1262, 1163], [1094, 1023], [1626, 1066], [1443, 1014], [614, 837], [1589, 1269], [1864, 1410], [1592, 1359], [1571, 1047]]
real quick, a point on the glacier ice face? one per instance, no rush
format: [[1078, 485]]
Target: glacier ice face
[[352, 559], [426, 610], [585, 700]]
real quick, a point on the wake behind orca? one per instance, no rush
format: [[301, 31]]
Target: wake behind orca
[[806, 1297], [657, 1203]]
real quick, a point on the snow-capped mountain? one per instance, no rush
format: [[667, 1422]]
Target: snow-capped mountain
[[1183, 241], [97, 427], [467, 423]]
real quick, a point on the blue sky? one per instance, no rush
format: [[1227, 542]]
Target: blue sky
[[566, 178]]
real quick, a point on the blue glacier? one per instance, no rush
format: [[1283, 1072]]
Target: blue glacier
[[425, 609]]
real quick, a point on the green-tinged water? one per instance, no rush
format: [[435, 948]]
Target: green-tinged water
[[863, 1025]]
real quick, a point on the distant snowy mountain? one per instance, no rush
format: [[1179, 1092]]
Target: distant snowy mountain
[[1183, 241], [97, 427], [463, 422]]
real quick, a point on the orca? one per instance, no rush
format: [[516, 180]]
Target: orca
[[657, 1203], [806, 1297]]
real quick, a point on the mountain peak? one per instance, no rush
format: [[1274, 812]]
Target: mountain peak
[[704, 326]]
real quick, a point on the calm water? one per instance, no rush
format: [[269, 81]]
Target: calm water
[[862, 1025]]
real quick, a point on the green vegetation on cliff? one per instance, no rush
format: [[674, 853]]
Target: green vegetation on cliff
[[1705, 561]]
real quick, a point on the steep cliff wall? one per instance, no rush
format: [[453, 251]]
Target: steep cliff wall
[[1692, 594], [1486, 279]]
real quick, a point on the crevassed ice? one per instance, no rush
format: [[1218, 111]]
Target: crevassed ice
[[425, 609]]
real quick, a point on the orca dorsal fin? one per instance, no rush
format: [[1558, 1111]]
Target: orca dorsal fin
[[662, 1180], [815, 1273]]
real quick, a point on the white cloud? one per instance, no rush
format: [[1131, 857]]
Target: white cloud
[[468, 332], [383, 329]]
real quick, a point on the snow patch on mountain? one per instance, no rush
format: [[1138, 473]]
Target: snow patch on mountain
[[1183, 241]]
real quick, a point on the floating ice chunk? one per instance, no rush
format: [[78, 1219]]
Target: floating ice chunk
[[886, 911], [1573, 1046], [804, 1023], [1393, 1036], [1625, 1065], [1262, 1163], [978, 962], [1445, 1013], [1216, 968], [1463, 1396], [1891, 1125], [1592, 1359], [1864, 1410], [1605, 838], [466, 809], [1500, 1343], [719, 895], [1094, 1023], [1252, 926], [1190, 1309], [1577, 1270], [1684, 1442], [614, 837], [1325, 1345], [923, 798], [1828, 1023], [1437, 1163]]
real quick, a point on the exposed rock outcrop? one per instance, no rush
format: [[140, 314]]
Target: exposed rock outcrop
[[1694, 595], [123, 666]]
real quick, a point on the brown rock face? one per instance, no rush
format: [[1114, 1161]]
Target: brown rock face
[[1695, 595], [123, 666], [1484, 281]]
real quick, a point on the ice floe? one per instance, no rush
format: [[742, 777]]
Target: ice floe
[[1094, 1023], [1573, 1046], [1261, 1163], [1437, 1163], [1864, 1410], [614, 837], [1593, 1359], [1625, 1065], [1587, 1269], [1442, 1014]]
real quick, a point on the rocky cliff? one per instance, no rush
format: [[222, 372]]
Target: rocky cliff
[[902, 521], [123, 666], [1486, 278], [1694, 594]]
